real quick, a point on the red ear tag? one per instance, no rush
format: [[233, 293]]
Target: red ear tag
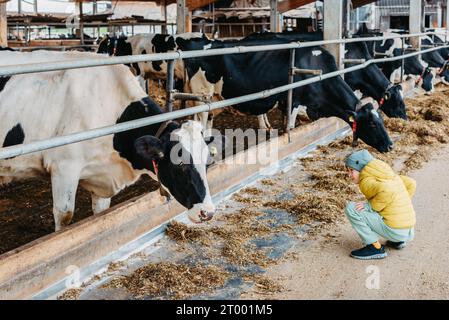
[[155, 167], [354, 126], [381, 102]]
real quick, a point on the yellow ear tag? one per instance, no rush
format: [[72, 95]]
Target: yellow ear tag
[[351, 119], [213, 151]]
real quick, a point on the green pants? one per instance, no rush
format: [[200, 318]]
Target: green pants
[[370, 225]]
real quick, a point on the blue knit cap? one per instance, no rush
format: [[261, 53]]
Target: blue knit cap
[[358, 160]]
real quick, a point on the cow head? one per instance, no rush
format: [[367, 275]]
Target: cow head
[[192, 41], [115, 46], [393, 102], [427, 80], [368, 125], [181, 158]]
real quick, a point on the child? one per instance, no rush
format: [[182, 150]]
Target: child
[[388, 212]]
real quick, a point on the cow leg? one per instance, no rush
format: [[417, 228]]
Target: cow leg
[[267, 122], [293, 117], [262, 124], [100, 204], [64, 182]]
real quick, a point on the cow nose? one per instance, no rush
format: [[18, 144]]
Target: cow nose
[[201, 216], [206, 215]]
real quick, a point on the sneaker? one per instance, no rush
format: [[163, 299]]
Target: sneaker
[[397, 245], [369, 252]]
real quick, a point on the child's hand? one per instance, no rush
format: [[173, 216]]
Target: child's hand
[[360, 206]]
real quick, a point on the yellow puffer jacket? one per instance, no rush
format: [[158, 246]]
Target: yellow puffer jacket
[[389, 194]]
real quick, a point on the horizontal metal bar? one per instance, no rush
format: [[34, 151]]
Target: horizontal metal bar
[[355, 61], [18, 150], [297, 71], [105, 61]]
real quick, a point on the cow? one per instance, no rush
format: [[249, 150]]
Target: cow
[[435, 60], [440, 39], [242, 74], [370, 80], [39, 106], [392, 48], [145, 44]]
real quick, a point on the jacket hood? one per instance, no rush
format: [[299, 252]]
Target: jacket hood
[[379, 170]]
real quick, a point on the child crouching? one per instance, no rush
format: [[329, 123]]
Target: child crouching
[[388, 211]]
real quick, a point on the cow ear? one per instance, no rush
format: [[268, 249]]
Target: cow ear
[[170, 42], [149, 147], [180, 42]]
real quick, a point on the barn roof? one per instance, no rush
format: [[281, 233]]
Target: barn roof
[[284, 5]]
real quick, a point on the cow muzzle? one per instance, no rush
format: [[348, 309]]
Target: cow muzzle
[[199, 214]]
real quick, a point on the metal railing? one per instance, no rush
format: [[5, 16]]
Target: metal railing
[[107, 61], [18, 150]]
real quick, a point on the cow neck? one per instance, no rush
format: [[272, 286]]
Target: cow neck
[[421, 76], [381, 100], [161, 131], [441, 70]]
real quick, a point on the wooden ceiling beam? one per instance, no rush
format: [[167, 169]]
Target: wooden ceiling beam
[[195, 4], [287, 5], [360, 3]]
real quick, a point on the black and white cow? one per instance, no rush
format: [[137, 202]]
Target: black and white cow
[[373, 83], [145, 44], [39, 106], [440, 39], [435, 60], [370, 80], [413, 66], [242, 74]]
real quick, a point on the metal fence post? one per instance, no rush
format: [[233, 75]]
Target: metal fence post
[[291, 79], [403, 60], [169, 85]]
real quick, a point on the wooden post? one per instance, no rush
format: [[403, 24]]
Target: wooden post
[[81, 22], [188, 27], [335, 12], [180, 16], [164, 13], [19, 6], [416, 21], [3, 25], [274, 16]]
